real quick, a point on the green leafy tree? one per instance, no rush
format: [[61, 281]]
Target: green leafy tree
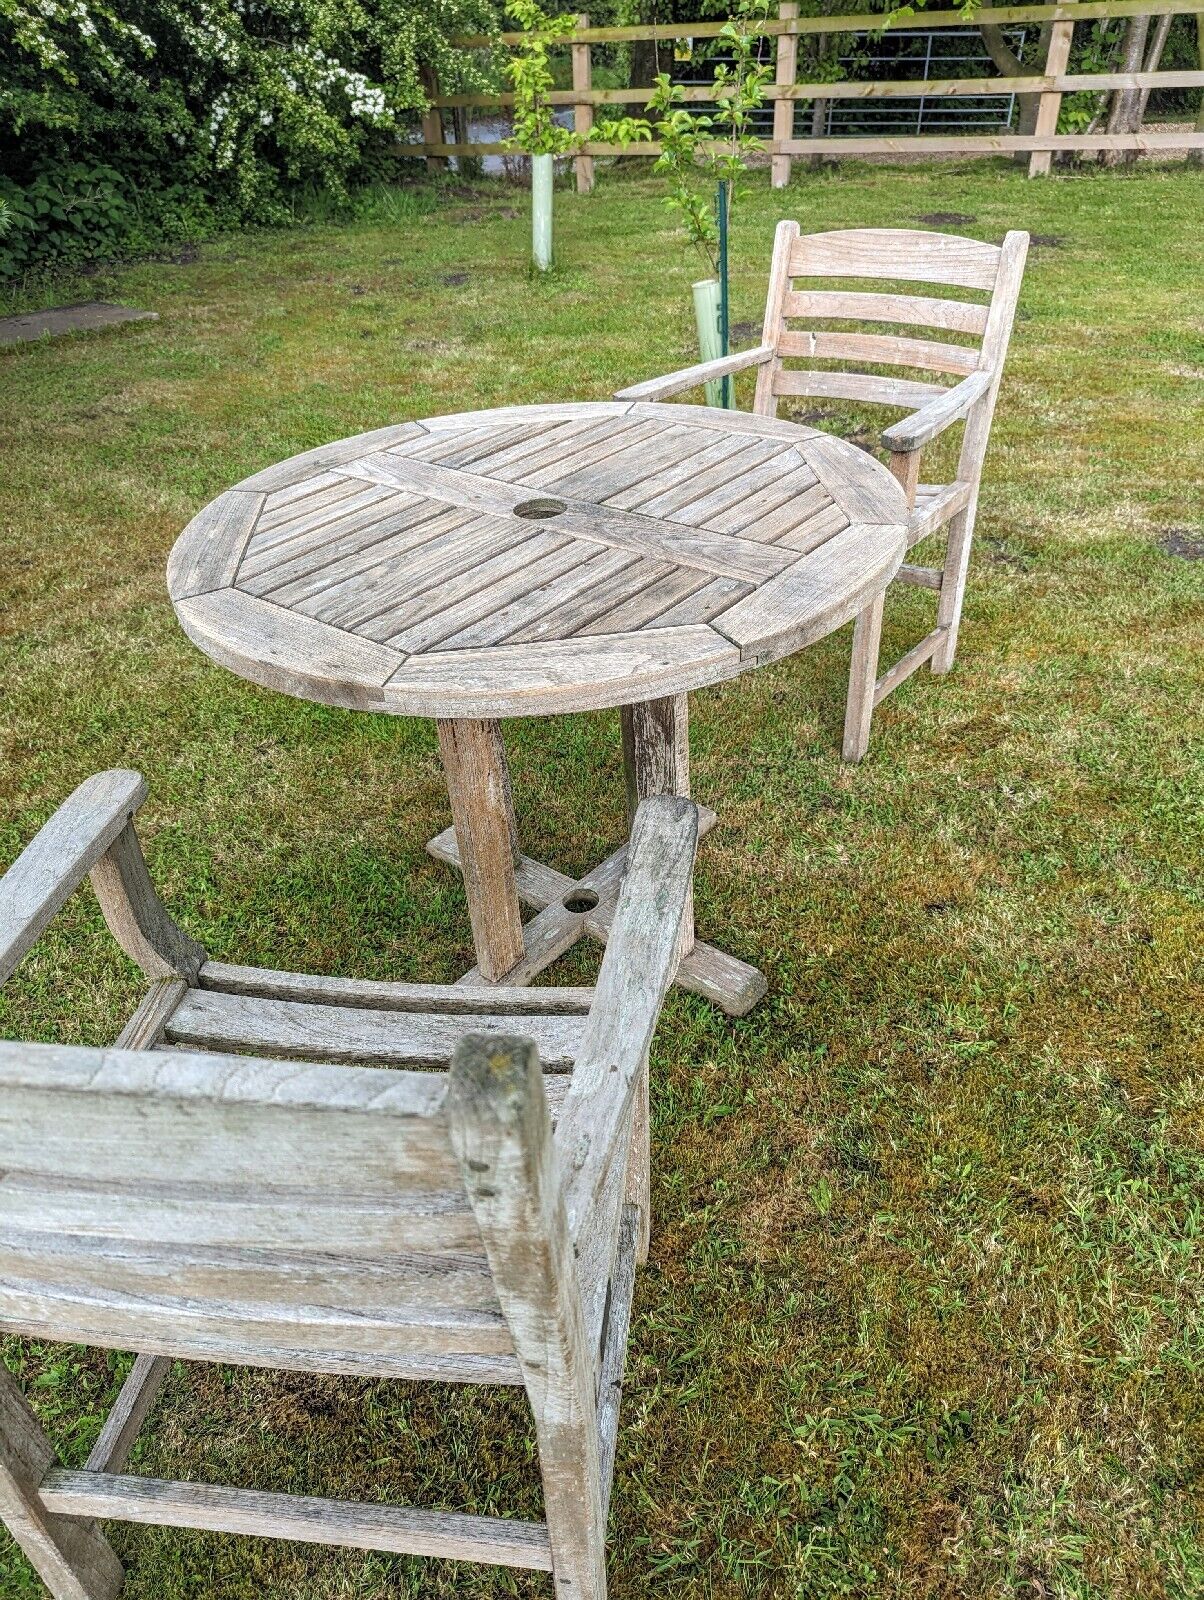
[[698, 152], [123, 120], [536, 131]]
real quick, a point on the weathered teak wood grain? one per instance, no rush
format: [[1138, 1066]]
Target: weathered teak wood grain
[[176, 1196], [656, 760], [870, 256], [50, 870], [69, 1553], [478, 782], [496, 564], [539, 559], [400, 1530], [502, 1135], [123, 1424]]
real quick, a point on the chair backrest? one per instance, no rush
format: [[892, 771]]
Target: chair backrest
[[228, 1208], [813, 315]]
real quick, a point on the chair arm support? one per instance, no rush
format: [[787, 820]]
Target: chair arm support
[[93, 832], [937, 415], [640, 962], [58, 858], [692, 377]]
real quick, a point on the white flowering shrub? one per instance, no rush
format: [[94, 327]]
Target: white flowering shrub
[[137, 121]]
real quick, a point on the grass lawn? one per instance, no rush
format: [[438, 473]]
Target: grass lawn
[[925, 1310]]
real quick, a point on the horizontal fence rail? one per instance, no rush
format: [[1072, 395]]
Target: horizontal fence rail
[[861, 22], [785, 93]]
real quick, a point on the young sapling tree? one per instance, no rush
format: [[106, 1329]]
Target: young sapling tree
[[536, 131]]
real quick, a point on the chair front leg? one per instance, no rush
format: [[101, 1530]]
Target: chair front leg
[[953, 586], [70, 1554], [863, 675], [905, 469]]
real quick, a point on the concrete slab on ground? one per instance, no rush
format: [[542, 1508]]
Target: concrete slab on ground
[[81, 318]]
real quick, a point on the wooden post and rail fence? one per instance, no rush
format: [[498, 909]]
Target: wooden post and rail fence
[[785, 93]]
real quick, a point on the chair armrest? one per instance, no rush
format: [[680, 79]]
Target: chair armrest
[[937, 415], [691, 377], [640, 963], [59, 857]]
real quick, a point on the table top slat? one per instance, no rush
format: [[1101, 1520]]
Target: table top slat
[[650, 604], [530, 565], [536, 559], [315, 566], [710, 449], [588, 471], [547, 469], [392, 594], [749, 517], [704, 605], [817, 530], [507, 618], [571, 616]]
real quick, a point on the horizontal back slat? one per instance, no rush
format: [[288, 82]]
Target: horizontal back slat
[[384, 1285], [921, 311], [880, 350], [217, 1201], [889, 253], [222, 1120], [855, 386], [124, 1319], [276, 1216]]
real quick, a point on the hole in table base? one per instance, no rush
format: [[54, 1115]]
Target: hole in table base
[[536, 510], [580, 900]]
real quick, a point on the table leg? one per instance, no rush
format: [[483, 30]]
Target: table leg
[[656, 760], [478, 785]]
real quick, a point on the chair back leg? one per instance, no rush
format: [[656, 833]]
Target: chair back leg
[[70, 1554], [863, 676], [953, 586]]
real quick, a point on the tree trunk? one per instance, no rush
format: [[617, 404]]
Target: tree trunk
[[819, 108], [644, 64], [1153, 58], [1125, 115], [1011, 66]]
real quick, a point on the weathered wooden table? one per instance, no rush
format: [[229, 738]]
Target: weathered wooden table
[[532, 560]]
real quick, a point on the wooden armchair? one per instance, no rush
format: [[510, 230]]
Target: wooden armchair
[[175, 1196], [888, 255]]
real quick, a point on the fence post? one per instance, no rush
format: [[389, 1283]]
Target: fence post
[[1195, 158], [783, 110], [1056, 59], [583, 111], [432, 121]]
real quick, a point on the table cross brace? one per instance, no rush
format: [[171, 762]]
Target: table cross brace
[[729, 983]]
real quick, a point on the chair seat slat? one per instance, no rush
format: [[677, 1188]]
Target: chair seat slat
[[380, 996], [287, 1028]]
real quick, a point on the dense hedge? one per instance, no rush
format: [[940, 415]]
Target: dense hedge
[[126, 124]]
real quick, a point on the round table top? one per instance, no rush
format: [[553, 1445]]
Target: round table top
[[537, 558]]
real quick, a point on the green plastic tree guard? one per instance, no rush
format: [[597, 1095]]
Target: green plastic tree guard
[[710, 343]]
